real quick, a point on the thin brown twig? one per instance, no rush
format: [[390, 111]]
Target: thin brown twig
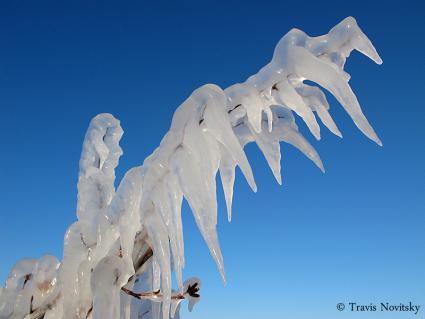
[[151, 294]]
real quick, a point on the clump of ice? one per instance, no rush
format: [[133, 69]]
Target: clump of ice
[[129, 238]]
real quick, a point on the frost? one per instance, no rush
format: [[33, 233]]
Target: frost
[[119, 255]]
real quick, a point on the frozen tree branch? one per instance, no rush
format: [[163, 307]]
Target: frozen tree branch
[[191, 291], [126, 239]]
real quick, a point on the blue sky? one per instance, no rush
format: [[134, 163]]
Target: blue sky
[[355, 233]]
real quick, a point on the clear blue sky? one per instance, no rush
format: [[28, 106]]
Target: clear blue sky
[[355, 233]]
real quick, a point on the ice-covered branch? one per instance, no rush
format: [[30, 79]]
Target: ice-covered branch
[[190, 291], [126, 240]]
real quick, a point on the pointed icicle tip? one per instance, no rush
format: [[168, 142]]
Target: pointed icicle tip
[[214, 247], [359, 40], [279, 179], [374, 137], [319, 164]]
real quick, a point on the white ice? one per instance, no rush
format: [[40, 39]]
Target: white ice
[[110, 245]]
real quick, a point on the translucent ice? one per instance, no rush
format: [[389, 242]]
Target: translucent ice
[[119, 255]]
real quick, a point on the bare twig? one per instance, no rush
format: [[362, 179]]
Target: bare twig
[[148, 254], [151, 294], [192, 290]]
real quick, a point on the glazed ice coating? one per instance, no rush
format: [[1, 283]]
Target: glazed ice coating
[[135, 231]]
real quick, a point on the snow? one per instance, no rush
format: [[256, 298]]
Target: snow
[[108, 247]]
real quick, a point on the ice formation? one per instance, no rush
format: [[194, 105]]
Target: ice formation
[[119, 256]]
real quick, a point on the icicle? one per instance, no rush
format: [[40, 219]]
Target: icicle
[[217, 122], [106, 283], [126, 301], [347, 36], [79, 242], [175, 307], [85, 294], [288, 96], [270, 147], [284, 129], [316, 99], [198, 186], [321, 72], [287, 131], [227, 175], [158, 234], [175, 197], [156, 309], [166, 200], [126, 204], [156, 274]]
